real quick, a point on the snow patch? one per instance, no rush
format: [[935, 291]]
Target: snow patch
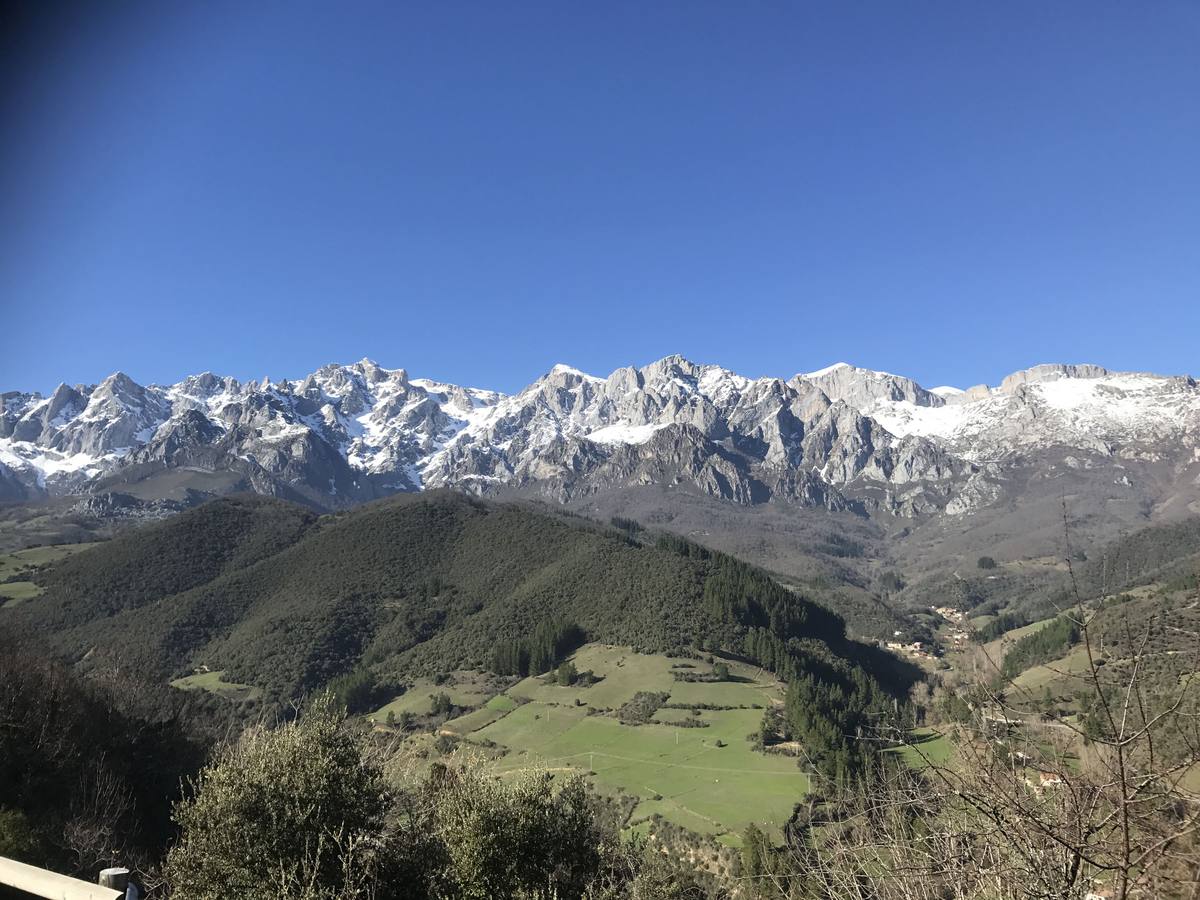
[[624, 434], [564, 369]]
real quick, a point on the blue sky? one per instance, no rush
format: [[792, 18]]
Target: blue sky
[[476, 191]]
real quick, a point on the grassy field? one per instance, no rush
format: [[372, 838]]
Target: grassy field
[[1058, 675], [684, 774], [25, 562], [623, 673], [215, 684], [465, 689], [708, 779], [928, 747], [492, 711], [17, 592]]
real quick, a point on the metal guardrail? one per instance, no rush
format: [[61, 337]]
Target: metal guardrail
[[51, 885]]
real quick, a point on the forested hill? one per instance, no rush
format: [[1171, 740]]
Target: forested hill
[[287, 601], [1168, 553]]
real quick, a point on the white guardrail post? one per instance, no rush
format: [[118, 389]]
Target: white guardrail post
[[52, 886]]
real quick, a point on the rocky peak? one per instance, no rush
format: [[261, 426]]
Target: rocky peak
[[835, 437], [863, 387], [1050, 372]]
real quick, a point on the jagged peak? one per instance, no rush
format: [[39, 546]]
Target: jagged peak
[[63, 390], [119, 379]]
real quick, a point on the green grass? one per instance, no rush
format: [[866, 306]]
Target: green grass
[[1058, 674], [678, 773], [468, 691], [474, 720], [215, 684], [624, 673], [927, 747], [15, 592], [23, 561], [502, 703], [26, 562]]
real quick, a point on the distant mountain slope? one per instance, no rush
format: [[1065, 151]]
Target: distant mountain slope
[[1160, 553], [1161, 559], [415, 584], [841, 438]]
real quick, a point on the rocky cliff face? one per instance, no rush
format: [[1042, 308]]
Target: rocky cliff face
[[843, 437]]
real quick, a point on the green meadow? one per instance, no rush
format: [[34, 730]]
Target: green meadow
[[467, 690], [25, 563], [214, 683], [708, 779]]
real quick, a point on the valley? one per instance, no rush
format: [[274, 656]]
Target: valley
[[719, 671]]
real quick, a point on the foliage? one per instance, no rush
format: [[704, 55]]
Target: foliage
[[290, 812], [442, 704], [550, 641], [19, 838], [632, 528], [1000, 625], [358, 691], [302, 812], [567, 674], [88, 766], [516, 839], [986, 562], [641, 708]]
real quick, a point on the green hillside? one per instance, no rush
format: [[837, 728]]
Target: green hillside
[[285, 602]]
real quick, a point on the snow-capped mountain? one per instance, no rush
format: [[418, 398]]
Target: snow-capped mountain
[[841, 437]]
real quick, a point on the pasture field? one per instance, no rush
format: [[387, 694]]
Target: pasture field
[[465, 689], [15, 592], [685, 774], [928, 746], [21, 561], [708, 779], [623, 673], [25, 562], [1061, 675], [492, 711], [214, 683]]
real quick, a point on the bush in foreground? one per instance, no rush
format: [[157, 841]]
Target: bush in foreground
[[303, 811]]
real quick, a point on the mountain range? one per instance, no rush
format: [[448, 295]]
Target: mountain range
[[842, 438]]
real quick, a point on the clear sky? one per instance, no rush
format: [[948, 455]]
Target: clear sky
[[476, 191]]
